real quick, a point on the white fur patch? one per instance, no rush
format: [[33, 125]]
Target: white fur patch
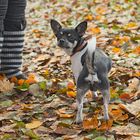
[[69, 51], [76, 58], [91, 46]]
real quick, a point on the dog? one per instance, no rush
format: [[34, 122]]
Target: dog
[[90, 65]]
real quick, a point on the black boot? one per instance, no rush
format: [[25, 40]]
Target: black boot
[[1, 44], [11, 56]]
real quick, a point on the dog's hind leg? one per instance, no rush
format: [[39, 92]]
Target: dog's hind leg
[[106, 99]]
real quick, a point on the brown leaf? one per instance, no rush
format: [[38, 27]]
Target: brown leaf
[[67, 131], [133, 108], [125, 96], [129, 129], [8, 128], [123, 117], [116, 113], [106, 125], [65, 113], [133, 85], [6, 86], [91, 123]]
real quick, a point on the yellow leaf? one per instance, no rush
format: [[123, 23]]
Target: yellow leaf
[[26, 107], [101, 10], [116, 50], [89, 17], [125, 38], [33, 124], [71, 93], [65, 9], [66, 115], [131, 25], [137, 73], [95, 30]]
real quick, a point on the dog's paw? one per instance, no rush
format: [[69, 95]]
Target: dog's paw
[[79, 120], [106, 117]]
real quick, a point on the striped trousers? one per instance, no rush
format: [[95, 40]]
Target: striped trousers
[[12, 25]]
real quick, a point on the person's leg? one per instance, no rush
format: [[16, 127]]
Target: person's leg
[[14, 25], [3, 9]]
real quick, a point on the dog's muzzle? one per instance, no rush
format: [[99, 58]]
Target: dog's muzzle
[[63, 44]]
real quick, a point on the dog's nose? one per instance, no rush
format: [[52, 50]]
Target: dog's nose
[[62, 41]]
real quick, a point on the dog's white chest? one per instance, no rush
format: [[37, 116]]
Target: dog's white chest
[[76, 58], [76, 64]]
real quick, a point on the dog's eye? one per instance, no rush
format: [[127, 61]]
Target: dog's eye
[[69, 35], [61, 33]]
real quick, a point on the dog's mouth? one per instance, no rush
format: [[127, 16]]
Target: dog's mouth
[[65, 44]]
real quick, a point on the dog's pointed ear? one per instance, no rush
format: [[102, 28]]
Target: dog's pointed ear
[[55, 26], [81, 28]]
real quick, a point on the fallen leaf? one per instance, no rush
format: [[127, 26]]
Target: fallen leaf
[[89, 17], [6, 103], [95, 30], [91, 123], [70, 85], [64, 130], [34, 124], [116, 113], [31, 134], [136, 50], [71, 93], [133, 108], [21, 82], [131, 25], [105, 125], [8, 128], [123, 117], [6, 86], [133, 85], [129, 129], [125, 96], [116, 50]]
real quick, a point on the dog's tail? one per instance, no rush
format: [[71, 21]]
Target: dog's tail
[[92, 77], [90, 54]]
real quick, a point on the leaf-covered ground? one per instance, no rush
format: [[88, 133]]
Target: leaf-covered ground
[[46, 110]]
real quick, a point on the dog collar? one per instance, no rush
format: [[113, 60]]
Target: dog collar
[[82, 46]]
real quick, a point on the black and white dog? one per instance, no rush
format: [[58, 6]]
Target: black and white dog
[[90, 65]]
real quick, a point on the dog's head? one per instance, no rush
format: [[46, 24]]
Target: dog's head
[[67, 38]]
